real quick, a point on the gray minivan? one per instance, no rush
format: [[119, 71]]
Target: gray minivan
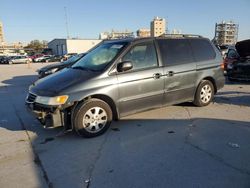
[[122, 77]]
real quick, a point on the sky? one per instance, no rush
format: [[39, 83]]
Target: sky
[[26, 20]]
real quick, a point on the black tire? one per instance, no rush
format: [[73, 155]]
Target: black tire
[[204, 93], [92, 118]]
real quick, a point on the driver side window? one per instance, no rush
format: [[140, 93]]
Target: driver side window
[[142, 56]]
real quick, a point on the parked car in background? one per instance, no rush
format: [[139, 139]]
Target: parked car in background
[[50, 69], [46, 58], [2, 58], [230, 57], [122, 77], [19, 59], [238, 61], [36, 56], [42, 58], [56, 58], [67, 56], [5, 59]]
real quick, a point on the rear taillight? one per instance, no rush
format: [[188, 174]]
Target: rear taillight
[[222, 65]]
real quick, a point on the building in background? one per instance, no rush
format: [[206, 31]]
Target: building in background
[[176, 31], [226, 33], [104, 35], [12, 49], [121, 34], [1, 34], [67, 46], [143, 33], [116, 34], [157, 27], [9, 49]]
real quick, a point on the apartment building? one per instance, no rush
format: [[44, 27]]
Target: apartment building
[[226, 33], [1, 34], [157, 27], [116, 34]]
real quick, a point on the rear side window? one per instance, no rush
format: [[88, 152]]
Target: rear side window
[[202, 49], [175, 51]]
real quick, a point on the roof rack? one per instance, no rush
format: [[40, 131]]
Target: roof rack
[[181, 35]]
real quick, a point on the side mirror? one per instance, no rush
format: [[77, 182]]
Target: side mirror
[[124, 66]]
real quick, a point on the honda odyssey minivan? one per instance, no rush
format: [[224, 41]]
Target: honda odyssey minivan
[[126, 76]]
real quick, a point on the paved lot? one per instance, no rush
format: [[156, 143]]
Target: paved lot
[[176, 146]]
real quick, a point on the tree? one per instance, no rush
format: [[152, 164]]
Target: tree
[[37, 46]]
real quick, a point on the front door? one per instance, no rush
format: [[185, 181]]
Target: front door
[[142, 87]]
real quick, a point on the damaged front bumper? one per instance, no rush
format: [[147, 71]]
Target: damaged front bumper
[[49, 116]]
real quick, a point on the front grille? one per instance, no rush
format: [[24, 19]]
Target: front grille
[[31, 98]]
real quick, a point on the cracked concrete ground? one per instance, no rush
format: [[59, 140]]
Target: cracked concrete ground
[[175, 146]]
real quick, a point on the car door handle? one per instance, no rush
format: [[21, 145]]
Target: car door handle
[[170, 73], [157, 75]]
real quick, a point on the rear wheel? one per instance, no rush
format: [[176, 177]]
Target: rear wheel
[[92, 118], [204, 94]]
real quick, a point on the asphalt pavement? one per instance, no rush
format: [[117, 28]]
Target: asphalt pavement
[[174, 146]]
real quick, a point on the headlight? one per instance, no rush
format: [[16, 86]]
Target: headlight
[[51, 71], [52, 100]]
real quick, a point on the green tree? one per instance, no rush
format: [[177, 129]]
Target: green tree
[[37, 46]]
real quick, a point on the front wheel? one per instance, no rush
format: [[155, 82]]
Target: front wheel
[[204, 94], [92, 118]]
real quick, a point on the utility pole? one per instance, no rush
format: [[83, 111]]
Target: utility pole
[[66, 22]]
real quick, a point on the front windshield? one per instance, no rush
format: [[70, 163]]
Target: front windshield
[[100, 57]]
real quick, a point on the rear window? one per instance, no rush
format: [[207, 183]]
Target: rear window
[[202, 49], [175, 51]]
